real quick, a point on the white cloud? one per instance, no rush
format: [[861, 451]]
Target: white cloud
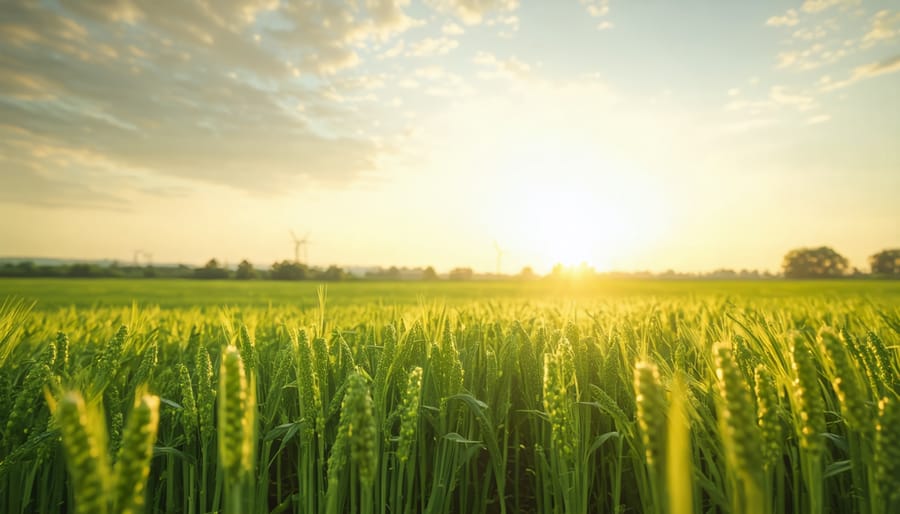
[[815, 6], [432, 46], [393, 51], [452, 29], [812, 57], [788, 19], [866, 71], [500, 68], [596, 8], [605, 25], [885, 27], [85, 76], [781, 95], [473, 12]]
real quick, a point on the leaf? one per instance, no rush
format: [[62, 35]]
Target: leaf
[[170, 403], [838, 467], [456, 438]]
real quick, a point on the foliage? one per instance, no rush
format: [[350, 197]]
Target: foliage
[[289, 270], [886, 263], [245, 271], [821, 262], [461, 274], [539, 402], [211, 270]]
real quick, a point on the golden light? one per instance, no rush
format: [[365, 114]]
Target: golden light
[[563, 203]]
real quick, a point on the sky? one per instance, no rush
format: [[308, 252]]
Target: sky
[[638, 135]]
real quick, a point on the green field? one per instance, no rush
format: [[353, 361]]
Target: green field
[[86, 293], [614, 396]]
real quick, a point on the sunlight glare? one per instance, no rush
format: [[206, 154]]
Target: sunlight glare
[[563, 203]]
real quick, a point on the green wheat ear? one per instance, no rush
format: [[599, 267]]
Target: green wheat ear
[[360, 426], [409, 414], [133, 467], [808, 402], [767, 415], [846, 382], [741, 434], [651, 407], [232, 401], [189, 405], [85, 454], [887, 450]]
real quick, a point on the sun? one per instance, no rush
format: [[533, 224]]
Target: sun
[[566, 204]]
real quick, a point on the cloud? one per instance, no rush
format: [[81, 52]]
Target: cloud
[[788, 19], [473, 12], [190, 92], [452, 29], [885, 27], [510, 68], [815, 56], [432, 46], [866, 71], [596, 8], [509, 25], [815, 6], [820, 118], [783, 96]]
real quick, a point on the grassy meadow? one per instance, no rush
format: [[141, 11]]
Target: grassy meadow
[[617, 396]]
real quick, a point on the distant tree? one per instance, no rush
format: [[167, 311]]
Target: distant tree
[[245, 271], [393, 273], [289, 270], [211, 270], [527, 273], [80, 270], [27, 269], [461, 274], [149, 271], [886, 263], [333, 273], [821, 262], [429, 274]]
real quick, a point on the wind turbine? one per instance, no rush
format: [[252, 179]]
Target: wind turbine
[[499, 256], [298, 243]]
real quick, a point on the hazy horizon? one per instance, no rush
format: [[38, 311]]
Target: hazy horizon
[[628, 135]]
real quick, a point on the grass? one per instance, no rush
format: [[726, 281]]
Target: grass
[[472, 398], [53, 293]]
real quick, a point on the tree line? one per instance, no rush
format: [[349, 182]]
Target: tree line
[[800, 263], [825, 262]]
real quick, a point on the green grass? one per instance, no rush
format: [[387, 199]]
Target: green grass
[[85, 293], [469, 398]]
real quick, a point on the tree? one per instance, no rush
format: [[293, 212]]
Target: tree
[[461, 274], [288, 270], [527, 273], [886, 263], [245, 271], [429, 274], [211, 270], [821, 262], [333, 273]]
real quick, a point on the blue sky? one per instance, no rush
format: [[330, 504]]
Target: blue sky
[[630, 135]]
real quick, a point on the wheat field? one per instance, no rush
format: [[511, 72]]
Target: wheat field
[[469, 402]]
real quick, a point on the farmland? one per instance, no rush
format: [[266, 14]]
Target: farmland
[[483, 397]]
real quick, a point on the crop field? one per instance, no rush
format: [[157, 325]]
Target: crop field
[[611, 396]]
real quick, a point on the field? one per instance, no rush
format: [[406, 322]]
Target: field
[[487, 397]]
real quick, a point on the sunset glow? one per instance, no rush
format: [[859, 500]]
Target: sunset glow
[[688, 136]]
